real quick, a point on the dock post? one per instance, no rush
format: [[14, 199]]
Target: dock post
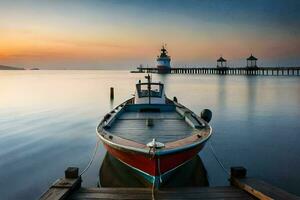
[[71, 172], [64, 187], [112, 93], [238, 172]]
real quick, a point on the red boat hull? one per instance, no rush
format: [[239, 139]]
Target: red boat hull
[[153, 166]]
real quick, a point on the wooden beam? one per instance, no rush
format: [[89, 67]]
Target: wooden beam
[[261, 189], [62, 188], [257, 188], [226, 192]]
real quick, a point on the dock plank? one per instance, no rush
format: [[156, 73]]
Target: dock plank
[[61, 189], [262, 189], [226, 192], [169, 190]]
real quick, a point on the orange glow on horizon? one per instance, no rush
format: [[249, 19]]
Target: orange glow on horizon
[[37, 45]]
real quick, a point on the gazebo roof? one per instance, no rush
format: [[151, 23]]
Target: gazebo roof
[[251, 58], [221, 59]]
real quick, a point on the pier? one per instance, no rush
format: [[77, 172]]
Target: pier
[[249, 71], [241, 187]]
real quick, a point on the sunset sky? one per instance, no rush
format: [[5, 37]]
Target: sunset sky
[[110, 34]]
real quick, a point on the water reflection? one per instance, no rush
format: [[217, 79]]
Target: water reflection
[[52, 115], [111, 104], [221, 94], [114, 173], [251, 95]]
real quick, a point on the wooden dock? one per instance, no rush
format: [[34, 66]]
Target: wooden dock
[[146, 194], [254, 71], [241, 188]]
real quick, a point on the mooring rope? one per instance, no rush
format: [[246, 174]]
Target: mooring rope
[[153, 192], [158, 167], [92, 158], [152, 151], [217, 159]]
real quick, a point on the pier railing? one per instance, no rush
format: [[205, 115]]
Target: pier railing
[[264, 71]]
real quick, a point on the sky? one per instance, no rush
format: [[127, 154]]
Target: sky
[[121, 34]]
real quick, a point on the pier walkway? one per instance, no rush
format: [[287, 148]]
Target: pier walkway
[[263, 71]]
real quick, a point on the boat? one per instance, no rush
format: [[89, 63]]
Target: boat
[[114, 173], [153, 134]]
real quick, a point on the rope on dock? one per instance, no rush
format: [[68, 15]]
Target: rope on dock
[[92, 158], [153, 192], [218, 160]]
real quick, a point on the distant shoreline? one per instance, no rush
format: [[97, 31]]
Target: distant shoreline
[[3, 67]]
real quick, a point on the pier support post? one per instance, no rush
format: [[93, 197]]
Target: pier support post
[[112, 93]]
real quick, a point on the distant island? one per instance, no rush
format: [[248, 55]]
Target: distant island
[[3, 67]]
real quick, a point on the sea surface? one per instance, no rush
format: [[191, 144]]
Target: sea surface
[[48, 121]]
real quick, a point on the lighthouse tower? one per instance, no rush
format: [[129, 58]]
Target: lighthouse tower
[[163, 62]]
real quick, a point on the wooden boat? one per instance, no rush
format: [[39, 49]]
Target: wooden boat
[[152, 134], [114, 173]]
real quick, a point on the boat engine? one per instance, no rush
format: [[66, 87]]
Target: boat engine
[[206, 114]]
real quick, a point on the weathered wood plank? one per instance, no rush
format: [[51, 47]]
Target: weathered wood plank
[[247, 198], [165, 195], [143, 190], [114, 190], [61, 189], [208, 195], [262, 190], [201, 189], [54, 193], [165, 190], [110, 196], [168, 193]]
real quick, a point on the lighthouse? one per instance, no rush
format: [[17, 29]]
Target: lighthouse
[[163, 62]]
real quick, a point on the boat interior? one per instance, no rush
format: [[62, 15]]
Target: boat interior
[[143, 122]]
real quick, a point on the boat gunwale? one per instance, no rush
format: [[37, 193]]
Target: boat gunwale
[[170, 147]]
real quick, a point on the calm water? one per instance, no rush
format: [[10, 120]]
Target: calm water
[[48, 120]]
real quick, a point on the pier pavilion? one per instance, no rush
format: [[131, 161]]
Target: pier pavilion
[[221, 62], [251, 62]]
